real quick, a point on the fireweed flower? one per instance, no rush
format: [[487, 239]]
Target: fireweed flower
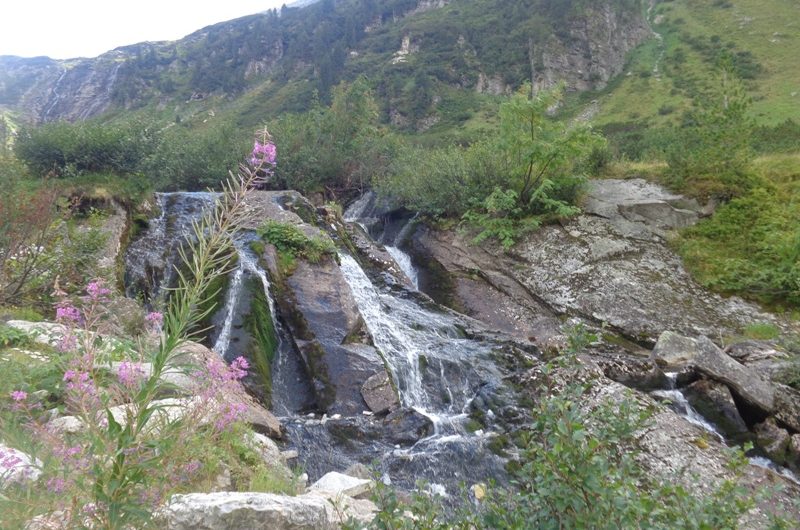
[[154, 320], [67, 343], [68, 314], [130, 374], [96, 290], [19, 395]]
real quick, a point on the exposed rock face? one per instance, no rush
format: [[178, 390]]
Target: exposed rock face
[[594, 51], [231, 510], [17, 467], [674, 351], [743, 382], [609, 265]]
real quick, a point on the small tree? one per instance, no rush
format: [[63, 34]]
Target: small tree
[[541, 156], [711, 153]]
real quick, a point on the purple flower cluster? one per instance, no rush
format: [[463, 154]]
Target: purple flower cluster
[[96, 290], [68, 314], [19, 395], [264, 156], [130, 374], [154, 320]]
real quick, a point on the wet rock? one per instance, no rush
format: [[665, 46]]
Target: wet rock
[[323, 317], [341, 484], [773, 440], [379, 393], [407, 426], [743, 382], [715, 403], [674, 351], [787, 407], [231, 510]]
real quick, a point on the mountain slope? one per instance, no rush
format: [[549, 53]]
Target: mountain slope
[[418, 53]]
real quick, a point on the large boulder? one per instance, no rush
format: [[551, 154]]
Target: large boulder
[[323, 318], [234, 511], [316, 510], [757, 393], [674, 351], [379, 393]]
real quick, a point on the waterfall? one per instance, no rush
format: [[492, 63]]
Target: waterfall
[[416, 343], [248, 265], [150, 260]]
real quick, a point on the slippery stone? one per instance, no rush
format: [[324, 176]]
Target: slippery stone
[[379, 393], [714, 402], [743, 382], [341, 484], [773, 440], [407, 426]]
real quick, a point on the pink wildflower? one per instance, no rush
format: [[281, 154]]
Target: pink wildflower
[[56, 485], [68, 314], [67, 343], [96, 290], [130, 374], [19, 395], [154, 320], [239, 368]]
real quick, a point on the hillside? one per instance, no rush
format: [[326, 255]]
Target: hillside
[[428, 59]]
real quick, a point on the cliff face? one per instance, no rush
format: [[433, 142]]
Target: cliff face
[[310, 46], [594, 49]]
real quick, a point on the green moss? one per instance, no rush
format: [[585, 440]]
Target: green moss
[[290, 239], [264, 336]]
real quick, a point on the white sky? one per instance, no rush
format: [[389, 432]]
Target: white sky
[[64, 29]]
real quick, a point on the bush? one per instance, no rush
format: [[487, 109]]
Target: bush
[[63, 149]]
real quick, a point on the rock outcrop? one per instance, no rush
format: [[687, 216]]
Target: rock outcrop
[[610, 265]]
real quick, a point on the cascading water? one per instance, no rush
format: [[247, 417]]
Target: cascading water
[[416, 343], [150, 260]]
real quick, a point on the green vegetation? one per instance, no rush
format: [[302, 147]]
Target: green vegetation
[[529, 172], [762, 331], [751, 246], [290, 240], [262, 330]]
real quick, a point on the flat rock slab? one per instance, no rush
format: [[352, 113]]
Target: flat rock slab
[[743, 382], [674, 351], [341, 484], [254, 511]]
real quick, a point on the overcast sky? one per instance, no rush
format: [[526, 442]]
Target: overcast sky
[[64, 29]]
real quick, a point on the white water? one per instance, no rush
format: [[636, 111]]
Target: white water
[[247, 264], [766, 463], [403, 261], [687, 411], [410, 338]]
